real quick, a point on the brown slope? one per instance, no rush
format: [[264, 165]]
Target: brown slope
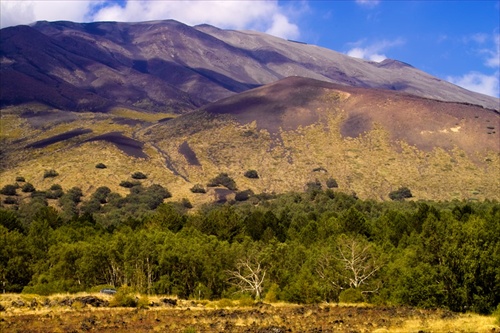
[[299, 102], [371, 141]]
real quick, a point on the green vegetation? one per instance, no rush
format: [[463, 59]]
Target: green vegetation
[[129, 184], [124, 297], [50, 173], [251, 174], [54, 192], [295, 247], [139, 175], [331, 183], [400, 194], [198, 188], [28, 187], [10, 201], [243, 195], [223, 179], [8, 190]]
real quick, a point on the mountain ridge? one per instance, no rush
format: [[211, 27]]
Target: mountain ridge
[[166, 65]]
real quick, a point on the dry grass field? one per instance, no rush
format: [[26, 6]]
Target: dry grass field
[[65, 313]]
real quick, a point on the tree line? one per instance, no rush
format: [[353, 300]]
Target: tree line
[[306, 247]]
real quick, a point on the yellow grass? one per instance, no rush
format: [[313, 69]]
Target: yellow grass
[[207, 316], [370, 165], [131, 114], [464, 323]]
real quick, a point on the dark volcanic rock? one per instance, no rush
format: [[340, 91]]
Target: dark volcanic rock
[[58, 138], [189, 154], [129, 146]]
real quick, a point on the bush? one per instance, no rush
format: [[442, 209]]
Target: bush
[[246, 301], [331, 183], [124, 297], [129, 184], [55, 192], [28, 187], [198, 188], [251, 174], [351, 295], [50, 173], [223, 179], [313, 186], [75, 194], [55, 187], [8, 190], [186, 203], [101, 194], [400, 194], [10, 201], [139, 175], [243, 195], [100, 166], [20, 179], [38, 194], [143, 302], [160, 191], [272, 294]]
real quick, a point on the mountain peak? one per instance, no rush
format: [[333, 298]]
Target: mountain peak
[[161, 65], [393, 64]]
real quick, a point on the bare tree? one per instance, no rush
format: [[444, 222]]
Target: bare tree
[[248, 276], [358, 261], [355, 260]]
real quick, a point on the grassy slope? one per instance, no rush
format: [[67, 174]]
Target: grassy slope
[[370, 165]]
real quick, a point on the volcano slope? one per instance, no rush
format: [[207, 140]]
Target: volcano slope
[[371, 142], [294, 132], [167, 66]]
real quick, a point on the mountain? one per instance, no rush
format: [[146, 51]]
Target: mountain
[[167, 66], [183, 105], [299, 130]]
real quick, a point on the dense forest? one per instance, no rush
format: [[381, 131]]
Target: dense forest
[[320, 245]]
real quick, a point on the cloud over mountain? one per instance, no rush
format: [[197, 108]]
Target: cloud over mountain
[[267, 16], [373, 51]]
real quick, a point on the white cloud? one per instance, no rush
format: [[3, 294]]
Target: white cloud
[[368, 3], [365, 53], [493, 56], [266, 15], [281, 27], [15, 12], [373, 52], [477, 38], [478, 82]]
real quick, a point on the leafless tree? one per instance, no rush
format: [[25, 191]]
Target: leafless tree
[[351, 266], [358, 261], [248, 276]]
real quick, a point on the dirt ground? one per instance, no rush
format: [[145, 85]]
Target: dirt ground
[[260, 318]]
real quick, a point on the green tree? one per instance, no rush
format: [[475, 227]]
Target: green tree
[[8, 190], [15, 259], [28, 188]]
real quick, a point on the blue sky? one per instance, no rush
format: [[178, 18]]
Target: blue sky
[[454, 40]]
